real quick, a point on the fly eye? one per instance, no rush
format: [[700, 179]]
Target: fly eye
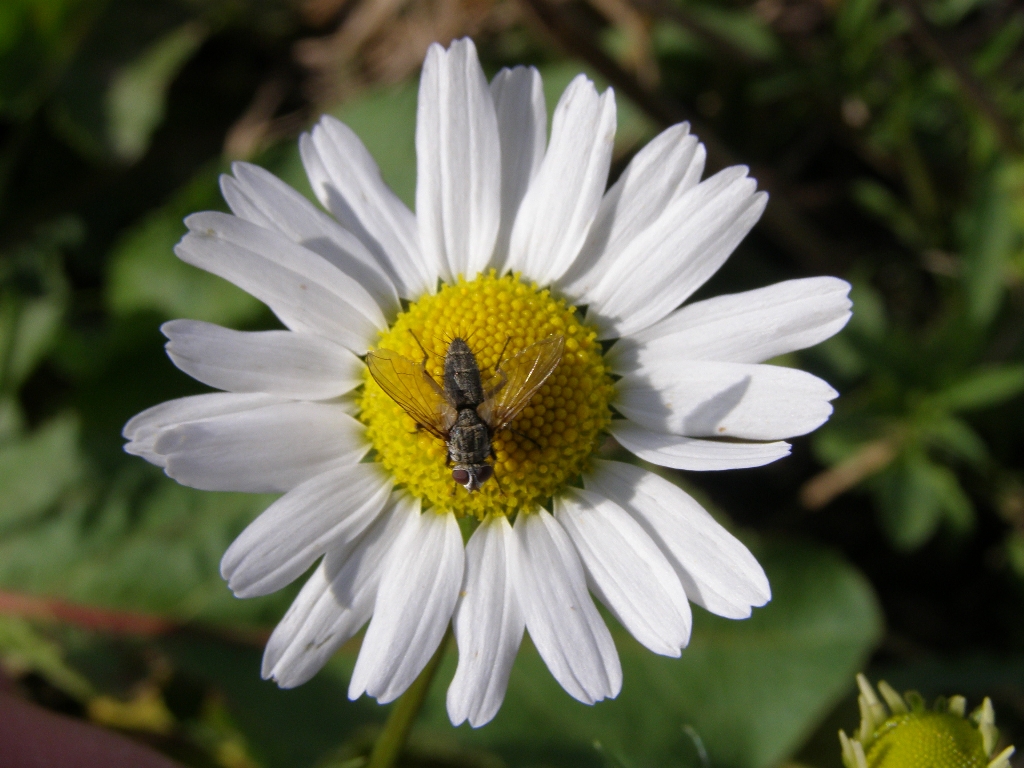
[[460, 476], [484, 473]]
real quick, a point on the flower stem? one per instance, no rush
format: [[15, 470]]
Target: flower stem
[[391, 741]]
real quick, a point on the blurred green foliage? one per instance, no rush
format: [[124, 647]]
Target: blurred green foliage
[[892, 129]]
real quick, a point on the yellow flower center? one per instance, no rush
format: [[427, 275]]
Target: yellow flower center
[[927, 740], [551, 440]]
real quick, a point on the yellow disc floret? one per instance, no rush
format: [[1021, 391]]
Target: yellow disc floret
[[551, 440], [927, 740]]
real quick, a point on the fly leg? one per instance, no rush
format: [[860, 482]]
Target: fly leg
[[492, 391], [422, 349], [525, 436], [498, 482], [497, 365]]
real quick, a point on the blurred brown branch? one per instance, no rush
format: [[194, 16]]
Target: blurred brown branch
[[84, 616], [826, 486], [116, 622]]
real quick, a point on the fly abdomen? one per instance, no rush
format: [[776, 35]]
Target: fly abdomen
[[469, 441], [462, 376]]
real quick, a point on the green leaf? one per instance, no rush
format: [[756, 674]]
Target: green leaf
[[741, 28], [287, 729], [956, 437], [954, 501], [888, 208], [989, 243], [125, 41], [135, 98], [37, 38], [33, 297], [147, 545], [909, 508], [27, 329], [915, 495], [144, 273], [869, 316], [36, 470], [983, 388], [1015, 552]]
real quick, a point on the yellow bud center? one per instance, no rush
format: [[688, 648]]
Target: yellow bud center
[[551, 440], [927, 740]]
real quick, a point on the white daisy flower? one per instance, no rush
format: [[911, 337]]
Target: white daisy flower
[[510, 233]]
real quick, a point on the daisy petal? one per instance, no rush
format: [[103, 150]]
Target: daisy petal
[[488, 624], [324, 512], [458, 162], [627, 571], [717, 571], [143, 429], [414, 603], [347, 181], [562, 200], [303, 289], [268, 450], [257, 195], [691, 453], [703, 398], [522, 125], [673, 257], [661, 172], [311, 614], [564, 625], [748, 327], [336, 601], [295, 365]]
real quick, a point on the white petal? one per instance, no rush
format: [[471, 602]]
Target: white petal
[[717, 571], [692, 453], [268, 450], [306, 291], [627, 571], [673, 257], [522, 124], [748, 327], [414, 603], [143, 429], [348, 183], [257, 195], [284, 363], [312, 613], [458, 162], [488, 625], [703, 398], [324, 512], [563, 198], [336, 601], [660, 173], [564, 625]]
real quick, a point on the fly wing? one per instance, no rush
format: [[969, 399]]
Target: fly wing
[[409, 385], [517, 380]]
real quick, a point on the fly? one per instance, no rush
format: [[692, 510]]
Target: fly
[[464, 411]]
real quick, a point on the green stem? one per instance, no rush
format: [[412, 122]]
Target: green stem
[[391, 741]]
